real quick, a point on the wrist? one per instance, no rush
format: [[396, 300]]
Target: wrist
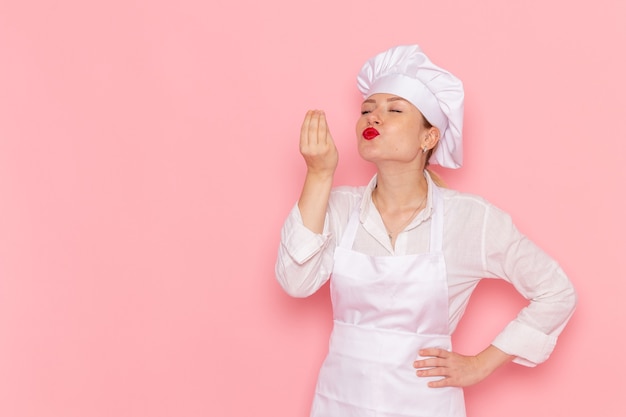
[[492, 358], [321, 175]]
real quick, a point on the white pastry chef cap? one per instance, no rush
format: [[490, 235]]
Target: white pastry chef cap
[[406, 72]]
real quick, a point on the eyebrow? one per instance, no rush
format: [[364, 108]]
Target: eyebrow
[[395, 98]]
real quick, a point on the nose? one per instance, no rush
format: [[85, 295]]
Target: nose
[[373, 118]]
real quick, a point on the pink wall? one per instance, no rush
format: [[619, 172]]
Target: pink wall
[[148, 156]]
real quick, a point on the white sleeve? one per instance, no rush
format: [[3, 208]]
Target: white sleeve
[[305, 259], [510, 255]]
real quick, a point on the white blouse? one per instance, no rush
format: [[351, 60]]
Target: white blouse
[[480, 241]]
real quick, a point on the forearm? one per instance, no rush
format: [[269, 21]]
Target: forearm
[[491, 359], [313, 202]]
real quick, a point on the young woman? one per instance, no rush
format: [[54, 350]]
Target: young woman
[[404, 254]]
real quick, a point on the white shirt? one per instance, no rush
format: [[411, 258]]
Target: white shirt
[[480, 241]]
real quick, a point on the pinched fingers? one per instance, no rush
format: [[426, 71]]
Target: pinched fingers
[[314, 129], [316, 143], [307, 125]]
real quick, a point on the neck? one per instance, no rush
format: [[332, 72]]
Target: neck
[[401, 189]]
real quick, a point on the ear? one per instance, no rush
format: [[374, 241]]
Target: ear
[[431, 138]]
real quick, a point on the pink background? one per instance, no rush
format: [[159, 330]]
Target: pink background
[[148, 156]]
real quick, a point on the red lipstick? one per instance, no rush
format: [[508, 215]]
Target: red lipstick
[[370, 133]]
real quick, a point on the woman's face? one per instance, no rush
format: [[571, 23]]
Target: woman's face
[[390, 129]]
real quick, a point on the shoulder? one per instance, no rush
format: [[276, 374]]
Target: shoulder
[[455, 198], [470, 206], [348, 191], [346, 194], [344, 198], [343, 201]]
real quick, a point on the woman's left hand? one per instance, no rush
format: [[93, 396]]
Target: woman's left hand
[[458, 370]]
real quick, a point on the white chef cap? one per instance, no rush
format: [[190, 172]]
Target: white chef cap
[[406, 72]]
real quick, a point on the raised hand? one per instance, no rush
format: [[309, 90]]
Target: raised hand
[[320, 154], [316, 144]]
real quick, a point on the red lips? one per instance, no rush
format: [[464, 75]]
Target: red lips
[[370, 133]]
